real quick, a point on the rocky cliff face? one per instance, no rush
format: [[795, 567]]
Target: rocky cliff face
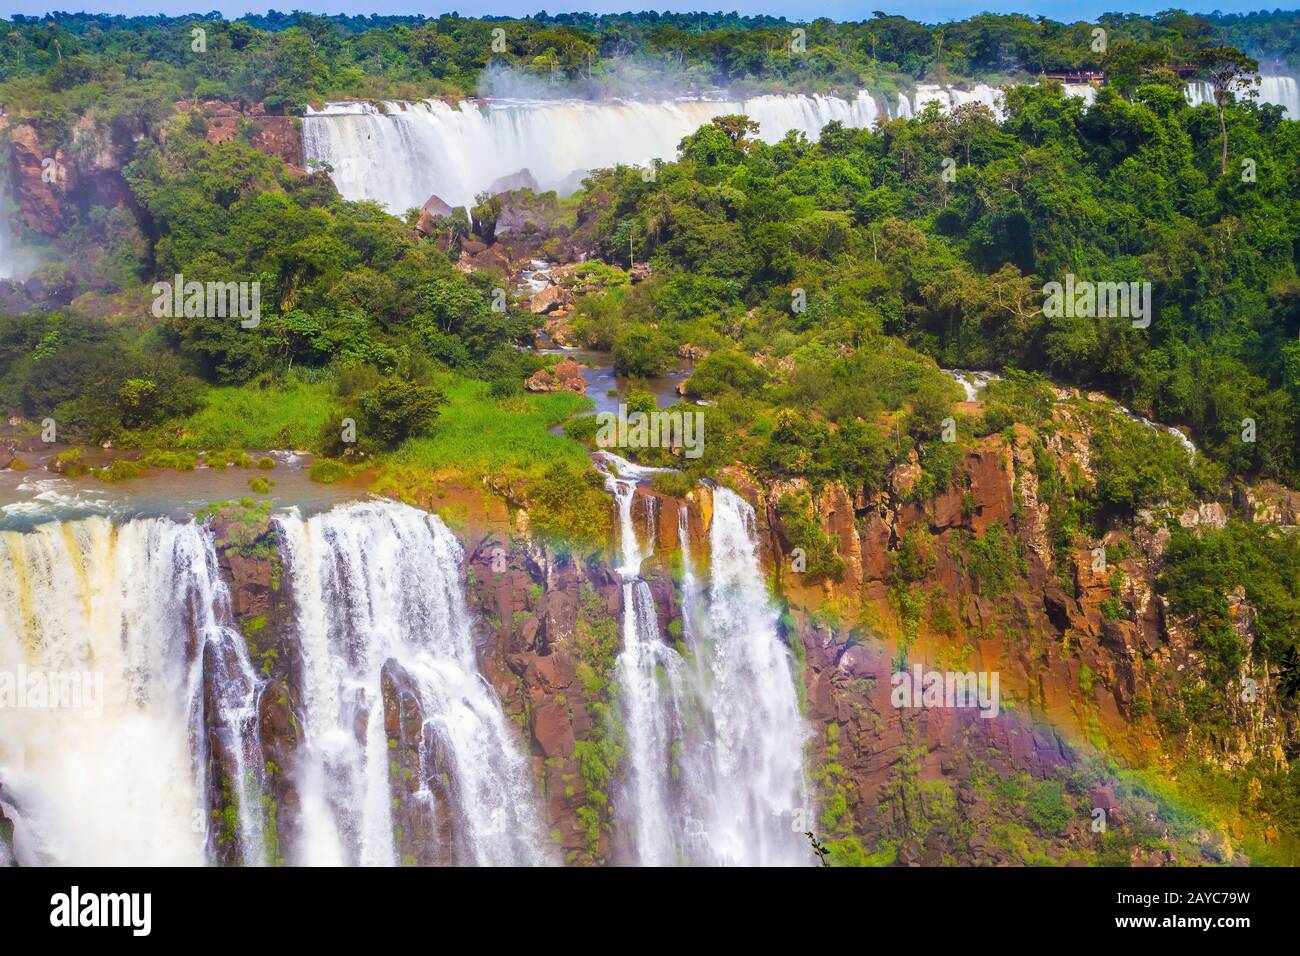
[[51, 180], [275, 135], [249, 551], [910, 785], [57, 179], [6, 841]]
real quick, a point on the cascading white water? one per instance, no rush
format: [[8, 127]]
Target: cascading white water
[[714, 756], [1182, 439], [1277, 90], [949, 98], [759, 789], [1084, 91], [402, 153], [121, 778], [380, 582], [1198, 93], [1281, 90], [401, 157], [654, 693], [972, 383], [10, 266]]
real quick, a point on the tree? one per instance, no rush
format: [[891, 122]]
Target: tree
[[1224, 65]]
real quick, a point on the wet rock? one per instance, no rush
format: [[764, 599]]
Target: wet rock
[[7, 855], [420, 777], [234, 780]]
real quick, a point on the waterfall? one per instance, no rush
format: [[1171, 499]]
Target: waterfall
[[1282, 91], [714, 745], [949, 98], [655, 694], [759, 733], [10, 268], [399, 154], [402, 154], [1084, 91], [972, 383], [1182, 439], [1198, 93], [118, 773], [379, 596], [1276, 90]]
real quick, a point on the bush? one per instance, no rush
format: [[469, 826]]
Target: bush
[[395, 410], [802, 531], [724, 371], [994, 561], [915, 557], [1048, 810], [568, 506], [674, 484], [642, 351], [327, 471]]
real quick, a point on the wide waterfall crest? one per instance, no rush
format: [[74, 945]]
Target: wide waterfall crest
[[1276, 90], [410, 151], [376, 585]]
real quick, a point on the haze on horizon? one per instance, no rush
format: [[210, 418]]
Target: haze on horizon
[[929, 11]]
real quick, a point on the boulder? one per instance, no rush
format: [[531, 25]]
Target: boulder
[[550, 299], [564, 377], [559, 331], [436, 206], [520, 180]]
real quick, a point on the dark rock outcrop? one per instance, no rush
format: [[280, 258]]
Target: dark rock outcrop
[[248, 548]]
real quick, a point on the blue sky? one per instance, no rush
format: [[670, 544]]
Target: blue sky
[[928, 10]]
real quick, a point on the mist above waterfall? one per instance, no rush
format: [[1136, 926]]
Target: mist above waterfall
[[16, 262], [612, 79]]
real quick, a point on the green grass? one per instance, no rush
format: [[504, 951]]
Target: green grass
[[290, 415], [478, 434]]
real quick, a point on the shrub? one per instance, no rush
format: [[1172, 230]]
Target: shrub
[[327, 471], [642, 351], [1048, 810], [396, 409]]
